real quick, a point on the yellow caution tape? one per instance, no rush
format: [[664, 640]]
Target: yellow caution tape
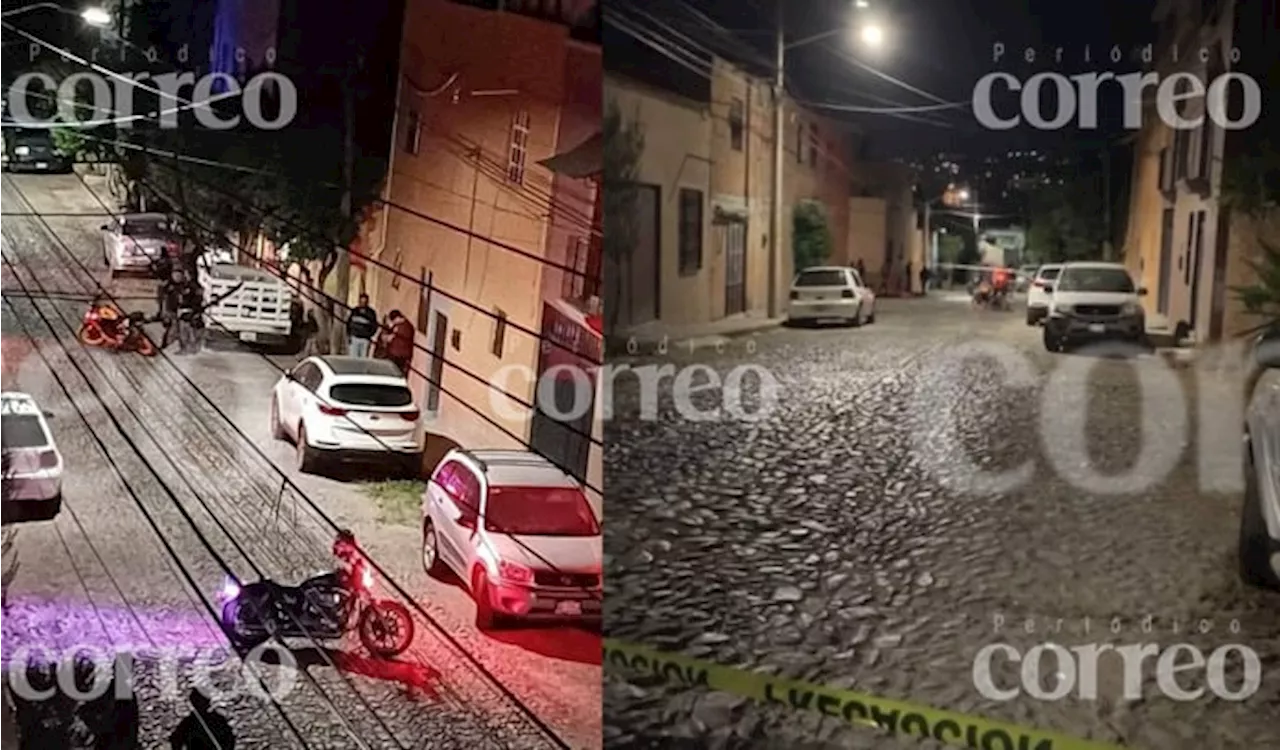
[[896, 717]]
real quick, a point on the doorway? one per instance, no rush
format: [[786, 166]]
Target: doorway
[[735, 271], [644, 288], [436, 342], [1166, 262], [1193, 261]]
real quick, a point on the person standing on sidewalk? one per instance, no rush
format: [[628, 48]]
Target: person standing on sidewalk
[[399, 341], [362, 326]]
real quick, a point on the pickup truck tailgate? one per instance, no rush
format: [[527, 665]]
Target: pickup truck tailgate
[[257, 306]]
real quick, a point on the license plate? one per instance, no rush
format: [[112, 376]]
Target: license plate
[[1097, 328], [248, 336], [569, 608], [42, 165]]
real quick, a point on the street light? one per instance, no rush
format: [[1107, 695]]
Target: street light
[[93, 16], [872, 35]]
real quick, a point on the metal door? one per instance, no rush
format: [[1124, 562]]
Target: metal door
[[735, 272], [1166, 262]]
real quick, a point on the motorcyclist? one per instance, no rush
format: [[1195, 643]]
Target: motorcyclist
[[1000, 283], [190, 314], [350, 558], [168, 300]]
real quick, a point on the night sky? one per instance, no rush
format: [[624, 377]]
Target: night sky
[[941, 47]]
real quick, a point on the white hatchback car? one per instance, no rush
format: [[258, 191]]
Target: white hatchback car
[[348, 409], [831, 293], [519, 533], [132, 243], [32, 464], [1037, 294]]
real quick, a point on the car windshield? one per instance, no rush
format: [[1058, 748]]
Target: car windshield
[[824, 277], [22, 431], [371, 394], [146, 227], [1096, 280], [540, 511], [1049, 274]]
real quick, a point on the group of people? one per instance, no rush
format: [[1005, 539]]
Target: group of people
[[180, 303], [390, 339]]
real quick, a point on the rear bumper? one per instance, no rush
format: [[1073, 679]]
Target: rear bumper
[[836, 309], [547, 604], [1125, 328], [347, 455], [32, 489]]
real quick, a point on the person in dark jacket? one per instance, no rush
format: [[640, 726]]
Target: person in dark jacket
[[190, 317], [362, 326], [398, 340], [203, 728], [168, 300]]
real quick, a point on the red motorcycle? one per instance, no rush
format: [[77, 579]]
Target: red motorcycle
[[106, 326]]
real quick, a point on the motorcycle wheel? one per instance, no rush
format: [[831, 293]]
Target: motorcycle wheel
[[91, 335], [144, 346], [386, 628], [237, 621]]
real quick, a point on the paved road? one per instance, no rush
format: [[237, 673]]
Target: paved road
[[841, 538], [100, 575]]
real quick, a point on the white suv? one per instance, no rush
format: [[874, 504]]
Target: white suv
[[32, 464], [1094, 302], [1037, 296], [519, 533]]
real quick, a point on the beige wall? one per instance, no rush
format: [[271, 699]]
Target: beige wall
[[677, 153], [457, 177], [829, 181], [868, 235]]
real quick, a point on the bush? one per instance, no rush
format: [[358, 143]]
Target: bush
[[810, 235]]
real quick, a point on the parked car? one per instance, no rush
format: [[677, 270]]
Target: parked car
[[1093, 302], [253, 305], [1023, 278], [32, 464], [348, 410], [1259, 546], [1037, 296], [520, 534], [831, 293], [132, 242], [33, 150]]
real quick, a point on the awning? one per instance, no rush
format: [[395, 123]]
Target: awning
[[582, 161]]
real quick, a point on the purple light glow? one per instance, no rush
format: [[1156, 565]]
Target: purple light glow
[[230, 590]]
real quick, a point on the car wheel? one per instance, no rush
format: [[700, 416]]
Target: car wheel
[[431, 562], [1052, 342], [486, 617], [1256, 545], [277, 429], [871, 317], [306, 454], [856, 320]]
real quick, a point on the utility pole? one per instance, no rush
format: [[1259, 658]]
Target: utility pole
[[342, 268], [775, 247]]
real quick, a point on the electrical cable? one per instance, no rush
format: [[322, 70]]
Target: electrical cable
[[182, 475], [102, 447], [506, 692], [209, 511]]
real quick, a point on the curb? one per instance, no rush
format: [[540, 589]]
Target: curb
[[620, 343]]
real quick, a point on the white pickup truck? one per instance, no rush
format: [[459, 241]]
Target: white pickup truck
[[258, 311]]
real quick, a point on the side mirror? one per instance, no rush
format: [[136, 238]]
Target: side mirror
[[1142, 291], [288, 374], [1267, 351], [467, 521]]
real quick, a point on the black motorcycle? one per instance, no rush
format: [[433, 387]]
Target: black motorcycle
[[321, 608]]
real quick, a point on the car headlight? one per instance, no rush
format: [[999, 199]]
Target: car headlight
[[1131, 308], [1062, 309], [22, 150]]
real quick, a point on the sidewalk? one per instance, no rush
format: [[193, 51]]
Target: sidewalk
[[696, 335]]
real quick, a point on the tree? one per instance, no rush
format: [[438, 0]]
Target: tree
[[1066, 221], [623, 149], [810, 234], [1251, 186]]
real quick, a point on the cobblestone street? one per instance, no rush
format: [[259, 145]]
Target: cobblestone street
[[842, 539]]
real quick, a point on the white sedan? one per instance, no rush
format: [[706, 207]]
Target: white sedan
[[520, 534], [348, 409], [132, 242], [32, 463], [831, 293]]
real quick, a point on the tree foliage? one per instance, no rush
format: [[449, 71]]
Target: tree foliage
[[1251, 185], [810, 234], [1066, 221]]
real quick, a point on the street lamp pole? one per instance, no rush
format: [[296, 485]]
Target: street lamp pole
[[775, 247]]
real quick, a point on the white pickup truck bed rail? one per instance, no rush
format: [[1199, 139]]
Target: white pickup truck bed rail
[[261, 306]]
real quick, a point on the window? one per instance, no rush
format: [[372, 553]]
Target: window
[[690, 231], [308, 376], [736, 124], [519, 152], [575, 284], [413, 132], [499, 333], [1101, 279], [857, 280], [371, 394], [435, 376], [1191, 235], [813, 145], [444, 477], [822, 277], [22, 431], [397, 265], [540, 511]]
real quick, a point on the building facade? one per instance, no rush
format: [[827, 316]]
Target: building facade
[[705, 246], [473, 231]]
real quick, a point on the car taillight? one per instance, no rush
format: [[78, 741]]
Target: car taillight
[[847, 294], [514, 572], [48, 459], [332, 411], [1039, 284], [409, 416]]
